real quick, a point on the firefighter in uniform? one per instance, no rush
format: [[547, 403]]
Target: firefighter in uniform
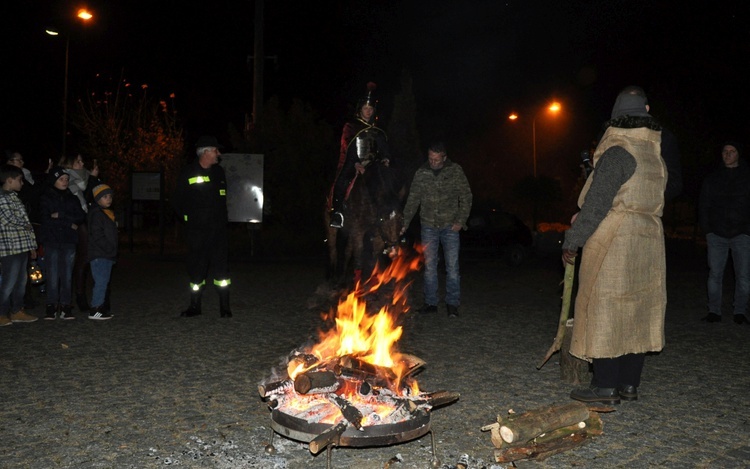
[[362, 143], [200, 201]]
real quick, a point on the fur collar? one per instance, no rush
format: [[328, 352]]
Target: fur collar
[[633, 122]]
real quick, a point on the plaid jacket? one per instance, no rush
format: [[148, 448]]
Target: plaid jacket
[[16, 235]]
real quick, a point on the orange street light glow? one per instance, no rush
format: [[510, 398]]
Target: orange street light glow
[[84, 14]]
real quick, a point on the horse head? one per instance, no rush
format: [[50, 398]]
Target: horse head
[[388, 229]]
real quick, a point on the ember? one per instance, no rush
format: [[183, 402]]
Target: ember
[[353, 388]]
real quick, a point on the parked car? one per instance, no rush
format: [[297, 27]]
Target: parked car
[[497, 233]]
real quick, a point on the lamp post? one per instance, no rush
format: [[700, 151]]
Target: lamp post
[[554, 108], [83, 15]]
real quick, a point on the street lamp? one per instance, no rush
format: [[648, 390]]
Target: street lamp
[[83, 15], [553, 108]]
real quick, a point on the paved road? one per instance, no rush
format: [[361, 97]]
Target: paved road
[[148, 389]]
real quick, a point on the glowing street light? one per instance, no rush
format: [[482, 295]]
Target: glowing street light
[[84, 15], [553, 108]]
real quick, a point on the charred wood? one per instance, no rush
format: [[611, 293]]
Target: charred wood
[[434, 399], [328, 437], [348, 410]]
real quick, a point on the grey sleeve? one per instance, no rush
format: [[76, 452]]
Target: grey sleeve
[[613, 169]]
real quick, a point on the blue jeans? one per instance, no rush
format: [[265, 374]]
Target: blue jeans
[[101, 270], [13, 285], [718, 253], [59, 260], [432, 238]]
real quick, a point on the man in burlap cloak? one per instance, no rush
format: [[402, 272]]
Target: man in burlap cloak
[[622, 297]]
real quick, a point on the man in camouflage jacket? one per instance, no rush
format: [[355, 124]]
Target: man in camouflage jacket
[[442, 194]]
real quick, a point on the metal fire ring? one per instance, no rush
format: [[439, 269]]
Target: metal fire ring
[[374, 435]]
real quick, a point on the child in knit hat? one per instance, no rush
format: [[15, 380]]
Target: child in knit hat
[[102, 253], [60, 215]]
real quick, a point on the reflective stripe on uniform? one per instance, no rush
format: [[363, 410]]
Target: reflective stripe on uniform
[[199, 180], [222, 192], [197, 286], [222, 283]]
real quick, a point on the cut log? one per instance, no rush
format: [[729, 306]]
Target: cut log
[[573, 370], [322, 381], [543, 447], [275, 387], [533, 423], [330, 436], [592, 426], [494, 429]]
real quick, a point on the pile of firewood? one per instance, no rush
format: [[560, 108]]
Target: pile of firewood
[[540, 433]]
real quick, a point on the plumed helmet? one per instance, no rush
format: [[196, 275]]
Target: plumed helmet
[[369, 98]]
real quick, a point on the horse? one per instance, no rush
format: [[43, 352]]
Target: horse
[[373, 219]]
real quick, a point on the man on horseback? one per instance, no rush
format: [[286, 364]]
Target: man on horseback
[[362, 143]]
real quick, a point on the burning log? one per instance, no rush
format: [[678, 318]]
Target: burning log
[[316, 382], [300, 361], [353, 363], [434, 399], [533, 424], [374, 381], [350, 413], [275, 387], [330, 436]]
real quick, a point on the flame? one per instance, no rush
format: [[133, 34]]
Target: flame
[[370, 338], [362, 341]]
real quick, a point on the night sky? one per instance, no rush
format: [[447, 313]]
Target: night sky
[[472, 62]]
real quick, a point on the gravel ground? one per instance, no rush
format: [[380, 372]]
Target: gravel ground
[[149, 389]]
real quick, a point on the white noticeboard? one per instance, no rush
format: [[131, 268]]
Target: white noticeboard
[[244, 186]]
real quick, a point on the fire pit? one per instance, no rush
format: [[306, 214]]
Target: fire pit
[[352, 388]]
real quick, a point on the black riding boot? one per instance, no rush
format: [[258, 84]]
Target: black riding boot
[[224, 309], [195, 305]]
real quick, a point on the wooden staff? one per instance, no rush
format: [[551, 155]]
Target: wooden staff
[[570, 270]]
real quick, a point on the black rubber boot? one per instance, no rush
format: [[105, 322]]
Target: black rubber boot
[[195, 305], [224, 309]]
